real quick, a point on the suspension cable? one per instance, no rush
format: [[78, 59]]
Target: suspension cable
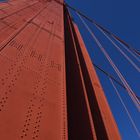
[[119, 49], [125, 108], [129, 90], [111, 76], [133, 54], [133, 50], [108, 75]]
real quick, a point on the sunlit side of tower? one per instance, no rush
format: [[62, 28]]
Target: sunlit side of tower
[[49, 88]]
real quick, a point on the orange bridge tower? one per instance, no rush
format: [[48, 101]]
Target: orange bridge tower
[[49, 89]]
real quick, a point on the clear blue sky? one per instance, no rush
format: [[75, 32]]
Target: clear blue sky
[[122, 17]]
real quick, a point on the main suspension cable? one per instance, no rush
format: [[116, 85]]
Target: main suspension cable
[[133, 54], [129, 90], [119, 49], [133, 50]]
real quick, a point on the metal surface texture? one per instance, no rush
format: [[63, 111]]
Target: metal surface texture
[[49, 89], [32, 75]]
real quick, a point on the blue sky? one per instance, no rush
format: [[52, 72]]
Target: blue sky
[[122, 18]]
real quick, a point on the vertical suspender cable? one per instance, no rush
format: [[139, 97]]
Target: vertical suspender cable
[[119, 49], [125, 108], [128, 88]]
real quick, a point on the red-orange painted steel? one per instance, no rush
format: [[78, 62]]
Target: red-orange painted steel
[[93, 136], [32, 71], [88, 110], [105, 113], [49, 89]]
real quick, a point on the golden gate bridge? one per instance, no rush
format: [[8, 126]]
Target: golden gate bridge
[[49, 88]]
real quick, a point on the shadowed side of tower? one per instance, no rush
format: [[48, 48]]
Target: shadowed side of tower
[[100, 123]]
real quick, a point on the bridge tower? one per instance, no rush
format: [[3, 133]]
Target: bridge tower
[[49, 89]]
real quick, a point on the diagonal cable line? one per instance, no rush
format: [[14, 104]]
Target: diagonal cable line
[[133, 50], [111, 76], [129, 90], [119, 49], [108, 75], [125, 108], [133, 54]]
